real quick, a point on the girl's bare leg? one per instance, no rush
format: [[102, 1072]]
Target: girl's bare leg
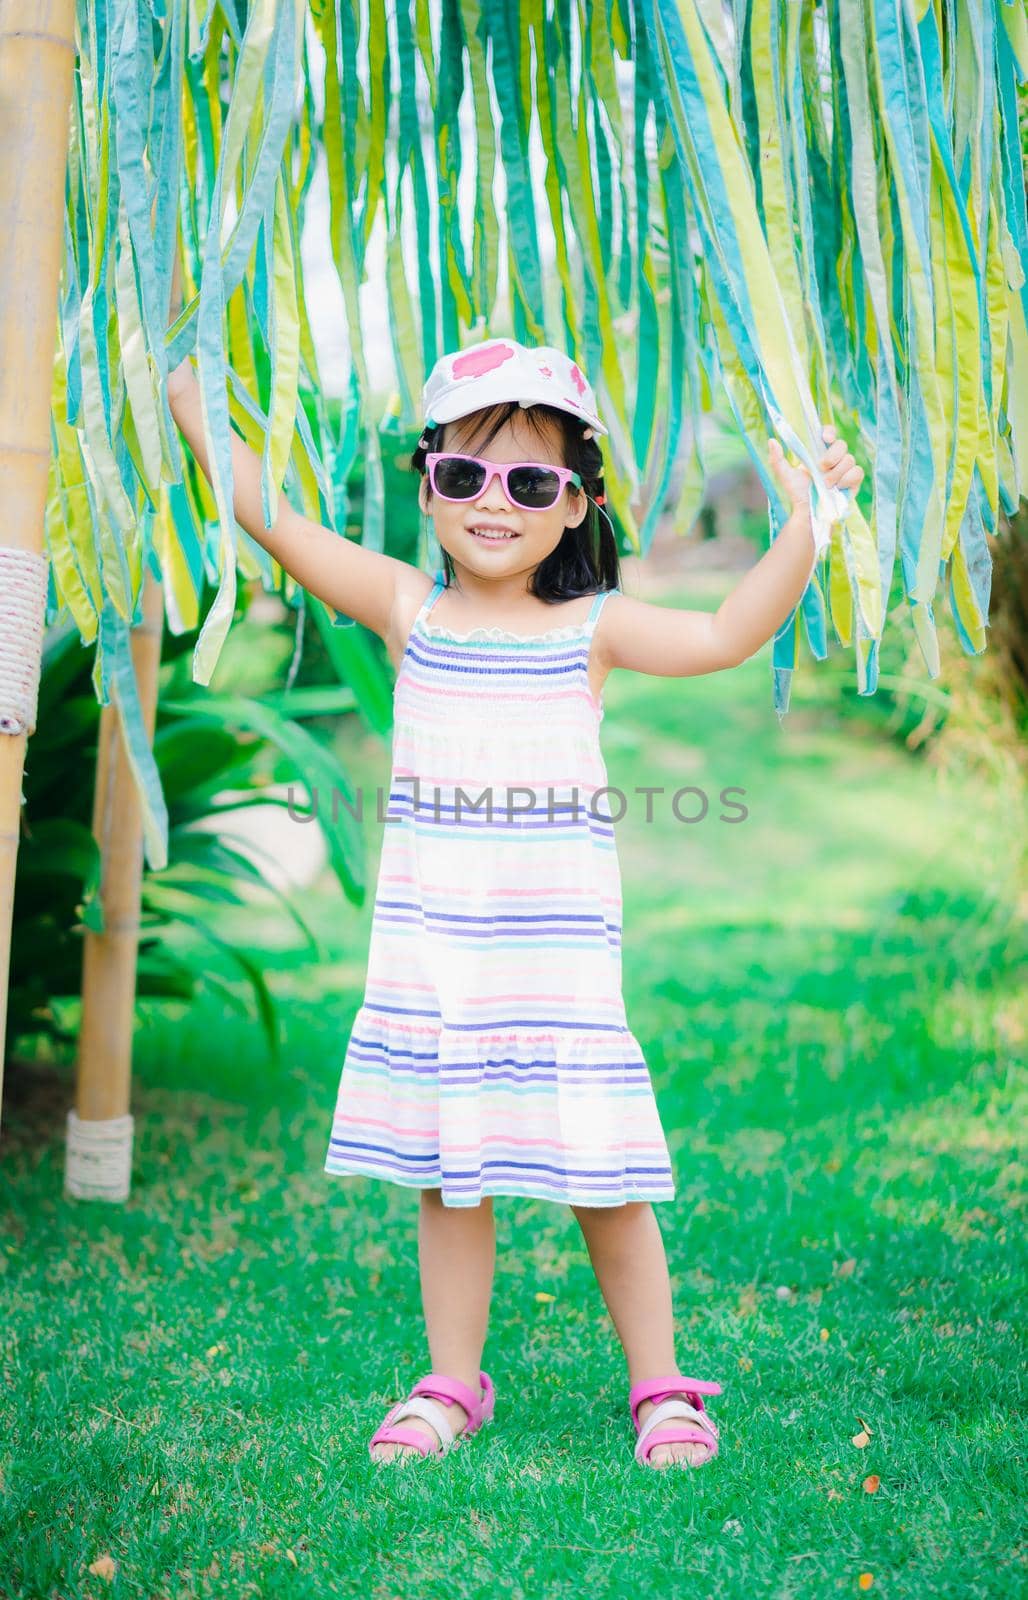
[[626, 1249], [456, 1255]]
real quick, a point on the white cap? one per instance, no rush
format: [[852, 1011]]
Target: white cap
[[502, 369]]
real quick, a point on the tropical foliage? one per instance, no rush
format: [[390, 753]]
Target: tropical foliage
[[213, 756]]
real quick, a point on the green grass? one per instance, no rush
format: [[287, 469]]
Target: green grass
[[828, 998]]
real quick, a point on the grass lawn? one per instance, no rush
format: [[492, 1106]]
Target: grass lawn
[[827, 994]]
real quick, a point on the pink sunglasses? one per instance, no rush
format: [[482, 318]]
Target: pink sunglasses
[[532, 485]]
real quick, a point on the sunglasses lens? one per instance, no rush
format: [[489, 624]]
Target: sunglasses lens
[[534, 487], [459, 479]]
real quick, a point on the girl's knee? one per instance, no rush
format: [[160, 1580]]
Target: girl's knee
[[434, 1199], [622, 1213]]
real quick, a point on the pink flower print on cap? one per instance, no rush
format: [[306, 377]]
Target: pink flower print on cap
[[502, 370], [475, 362]]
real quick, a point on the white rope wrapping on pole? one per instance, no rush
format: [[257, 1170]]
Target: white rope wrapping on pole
[[23, 584], [98, 1158]]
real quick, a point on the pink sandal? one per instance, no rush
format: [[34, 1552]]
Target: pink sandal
[[688, 1420], [419, 1404]]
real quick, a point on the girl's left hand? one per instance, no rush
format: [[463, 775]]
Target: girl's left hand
[[838, 468]]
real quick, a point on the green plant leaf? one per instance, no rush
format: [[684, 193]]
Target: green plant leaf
[[193, 752], [320, 771], [266, 1010]]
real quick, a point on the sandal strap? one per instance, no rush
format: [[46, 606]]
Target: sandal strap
[[662, 1388], [430, 1412], [677, 1435], [687, 1426], [387, 1434], [438, 1387]]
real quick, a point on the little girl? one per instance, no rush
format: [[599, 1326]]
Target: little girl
[[491, 1053]]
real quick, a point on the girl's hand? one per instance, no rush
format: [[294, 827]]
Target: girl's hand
[[838, 467]]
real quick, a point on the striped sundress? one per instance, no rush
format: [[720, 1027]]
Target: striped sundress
[[491, 1053]]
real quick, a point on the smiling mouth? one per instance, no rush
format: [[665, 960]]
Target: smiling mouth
[[497, 535]]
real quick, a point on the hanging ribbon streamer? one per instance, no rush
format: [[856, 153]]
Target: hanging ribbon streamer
[[801, 215]]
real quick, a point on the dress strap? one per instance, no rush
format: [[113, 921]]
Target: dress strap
[[597, 607], [432, 595]]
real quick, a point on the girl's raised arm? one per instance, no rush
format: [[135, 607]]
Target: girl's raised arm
[[671, 643], [363, 584]]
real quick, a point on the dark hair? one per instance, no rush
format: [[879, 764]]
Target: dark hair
[[586, 558]]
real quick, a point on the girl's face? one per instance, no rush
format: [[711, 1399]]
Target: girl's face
[[537, 532]]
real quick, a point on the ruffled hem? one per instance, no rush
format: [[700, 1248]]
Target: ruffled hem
[[486, 1191], [543, 1112]]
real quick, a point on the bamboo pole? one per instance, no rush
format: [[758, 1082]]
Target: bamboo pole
[[37, 62], [98, 1148], [98, 1151]]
